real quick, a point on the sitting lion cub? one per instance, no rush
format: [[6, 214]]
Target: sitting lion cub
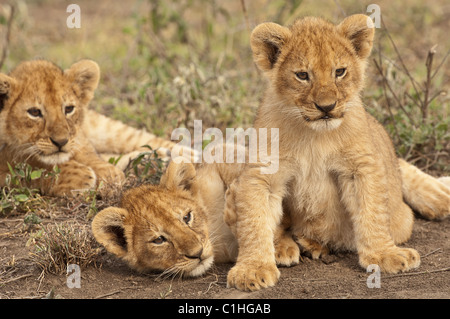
[[339, 177], [178, 226], [45, 121]]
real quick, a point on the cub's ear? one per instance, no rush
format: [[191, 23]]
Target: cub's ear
[[85, 75], [178, 176], [6, 82], [108, 230], [266, 41], [360, 30]]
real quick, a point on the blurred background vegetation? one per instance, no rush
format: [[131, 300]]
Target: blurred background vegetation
[[165, 63]]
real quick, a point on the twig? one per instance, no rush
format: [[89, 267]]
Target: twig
[[336, 2], [406, 274], [117, 291], [244, 10], [412, 99], [432, 252], [14, 279], [12, 232], [440, 64], [385, 84], [212, 283], [108, 294], [429, 65], [7, 37], [418, 273], [413, 81]]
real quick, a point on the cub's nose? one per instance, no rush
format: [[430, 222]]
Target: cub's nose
[[325, 108], [60, 142], [195, 255]]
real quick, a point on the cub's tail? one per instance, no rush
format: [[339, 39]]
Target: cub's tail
[[112, 138], [428, 196]]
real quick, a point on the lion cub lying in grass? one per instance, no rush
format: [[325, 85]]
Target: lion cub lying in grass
[[178, 227], [45, 121]]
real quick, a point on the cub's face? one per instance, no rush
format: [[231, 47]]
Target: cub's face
[[42, 107], [157, 228], [316, 69]]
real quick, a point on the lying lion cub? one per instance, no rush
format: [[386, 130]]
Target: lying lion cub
[[178, 226], [45, 121]]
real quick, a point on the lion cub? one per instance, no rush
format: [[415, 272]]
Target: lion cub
[[178, 227], [338, 177], [45, 121]]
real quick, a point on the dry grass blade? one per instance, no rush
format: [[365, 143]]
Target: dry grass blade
[[405, 69], [62, 244], [386, 84], [422, 93], [7, 37], [440, 64], [244, 10]]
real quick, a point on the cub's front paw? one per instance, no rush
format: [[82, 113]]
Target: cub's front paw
[[311, 248], [392, 260], [73, 178], [287, 252], [109, 173], [252, 276]]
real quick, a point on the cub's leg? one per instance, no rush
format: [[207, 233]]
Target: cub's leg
[[311, 248], [425, 194], [256, 213], [107, 173], [104, 171], [401, 223], [287, 252], [367, 198], [73, 177]]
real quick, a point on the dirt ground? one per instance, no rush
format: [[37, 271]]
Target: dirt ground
[[338, 276]]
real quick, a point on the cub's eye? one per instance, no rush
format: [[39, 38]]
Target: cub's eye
[[69, 109], [340, 72], [187, 217], [34, 112], [302, 76], [159, 240]]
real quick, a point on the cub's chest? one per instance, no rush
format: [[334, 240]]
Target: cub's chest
[[313, 186]]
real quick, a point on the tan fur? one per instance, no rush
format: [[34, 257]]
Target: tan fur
[[82, 134], [338, 178], [189, 249]]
